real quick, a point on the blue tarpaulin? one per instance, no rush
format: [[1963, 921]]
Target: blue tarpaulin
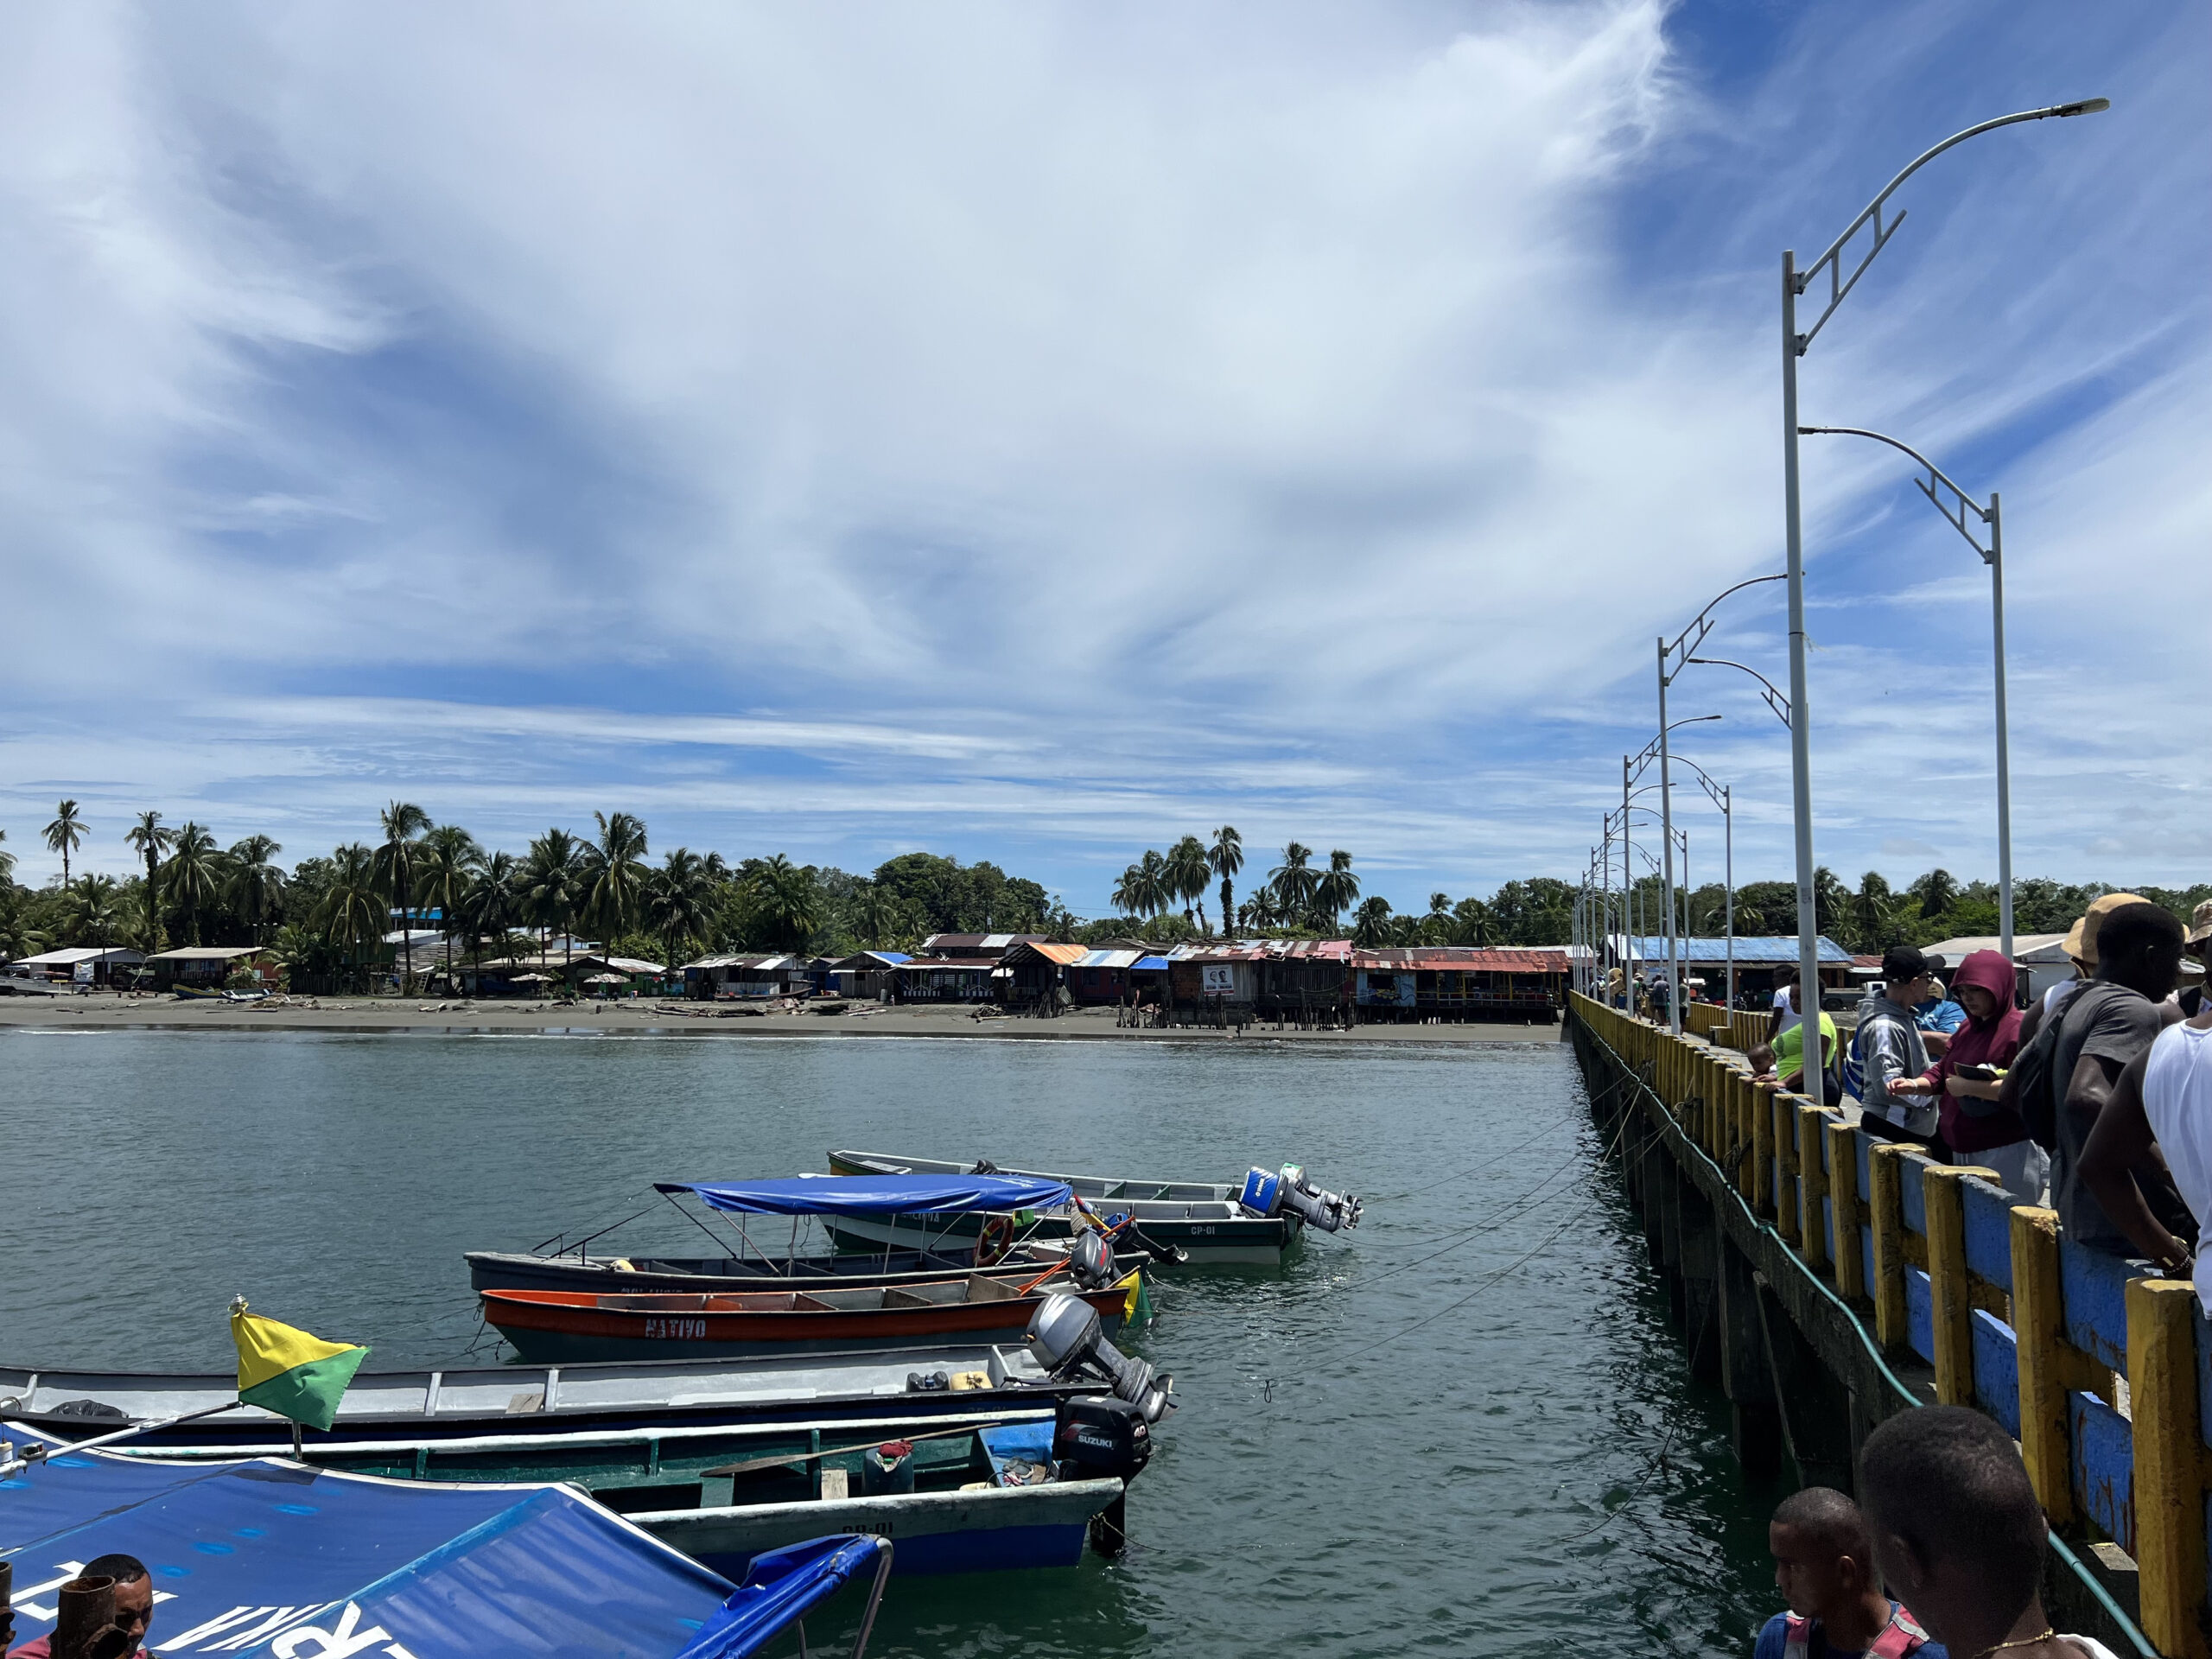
[[877, 1195], [265, 1557]]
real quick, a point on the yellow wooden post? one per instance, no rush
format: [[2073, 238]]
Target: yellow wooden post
[[1885, 1188], [1951, 1295], [1812, 1182], [1843, 1202], [2169, 1462], [2038, 1325], [1783, 1109], [1762, 1146]]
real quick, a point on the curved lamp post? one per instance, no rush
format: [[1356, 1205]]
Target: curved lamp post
[[1658, 747], [1955, 513], [1793, 346]]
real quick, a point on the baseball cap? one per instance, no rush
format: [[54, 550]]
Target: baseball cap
[[1902, 961], [2082, 943]]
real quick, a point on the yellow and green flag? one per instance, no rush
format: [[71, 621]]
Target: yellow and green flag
[[289, 1372]]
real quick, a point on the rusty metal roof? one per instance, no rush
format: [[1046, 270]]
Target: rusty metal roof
[[1462, 959]]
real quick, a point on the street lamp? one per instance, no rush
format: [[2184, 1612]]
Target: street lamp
[[1666, 810], [1724, 798], [1992, 556], [1793, 346]]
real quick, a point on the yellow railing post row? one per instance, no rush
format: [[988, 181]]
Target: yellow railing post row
[[1951, 1296], [2169, 1462], [1884, 1191], [1843, 1201], [1763, 1196], [1812, 1182], [1783, 1109], [2039, 1326]]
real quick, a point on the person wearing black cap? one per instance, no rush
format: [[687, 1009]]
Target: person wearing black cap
[[1888, 1048]]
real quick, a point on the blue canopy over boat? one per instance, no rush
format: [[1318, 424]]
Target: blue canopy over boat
[[876, 1195], [265, 1557]]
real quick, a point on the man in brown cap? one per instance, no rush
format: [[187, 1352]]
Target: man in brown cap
[[2199, 945]]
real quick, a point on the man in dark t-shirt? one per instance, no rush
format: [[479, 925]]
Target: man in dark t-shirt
[[2107, 1024]]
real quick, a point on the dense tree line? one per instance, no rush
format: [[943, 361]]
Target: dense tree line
[[327, 918]]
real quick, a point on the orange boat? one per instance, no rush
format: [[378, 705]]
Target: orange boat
[[560, 1325]]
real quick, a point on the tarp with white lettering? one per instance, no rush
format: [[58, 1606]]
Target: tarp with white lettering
[[267, 1557]]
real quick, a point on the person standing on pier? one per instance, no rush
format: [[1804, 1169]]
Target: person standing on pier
[[1888, 1048], [1973, 1125], [1824, 1566]]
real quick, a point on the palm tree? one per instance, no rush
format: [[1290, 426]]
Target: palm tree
[[403, 824], [196, 873], [783, 895], [64, 835], [1225, 857], [1188, 876], [614, 874], [1128, 891], [1436, 926], [353, 906], [679, 901], [445, 866], [552, 887], [255, 883], [95, 910], [1154, 893], [1294, 880], [1337, 890], [489, 907], [1371, 923], [152, 838], [7, 862], [1937, 891]]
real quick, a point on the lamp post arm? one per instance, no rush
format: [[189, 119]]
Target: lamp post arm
[[1775, 699], [1832, 260], [1700, 627], [1961, 504]]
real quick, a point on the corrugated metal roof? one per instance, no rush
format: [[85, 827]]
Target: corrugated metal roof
[[1758, 952], [211, 953], [72, 955], [1462, 959], [1106, 959], [860, 961]]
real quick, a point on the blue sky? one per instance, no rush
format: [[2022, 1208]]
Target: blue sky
[[1033, 432]]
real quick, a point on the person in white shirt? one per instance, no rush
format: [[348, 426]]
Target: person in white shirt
[[2161, 1100]]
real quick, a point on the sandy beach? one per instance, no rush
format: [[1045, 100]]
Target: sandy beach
[[72, 1012]]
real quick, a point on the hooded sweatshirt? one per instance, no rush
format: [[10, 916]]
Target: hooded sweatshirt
[[1889, 1048], [1992, 1043]]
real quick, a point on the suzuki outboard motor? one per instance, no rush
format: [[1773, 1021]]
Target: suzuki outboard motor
[[1064, 1337], [1288, 1192], [1090, 1259]]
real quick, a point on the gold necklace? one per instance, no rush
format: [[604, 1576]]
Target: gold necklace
[[2049, 1632]]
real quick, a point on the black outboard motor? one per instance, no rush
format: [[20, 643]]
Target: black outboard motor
[[1095, 1436], [1288, 1192], [1064, 1337]]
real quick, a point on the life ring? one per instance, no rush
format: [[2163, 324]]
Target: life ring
[[995, 1241]]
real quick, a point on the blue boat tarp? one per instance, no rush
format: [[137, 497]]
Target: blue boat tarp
[[876, 1195], [780, 1588], [265, 1557]]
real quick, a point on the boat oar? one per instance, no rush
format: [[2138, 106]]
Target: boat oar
[[750, 1464]]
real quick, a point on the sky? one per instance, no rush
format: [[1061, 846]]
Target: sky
[[1033, 432]]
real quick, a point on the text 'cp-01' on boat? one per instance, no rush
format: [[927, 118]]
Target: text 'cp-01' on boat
[[1256, 1221]]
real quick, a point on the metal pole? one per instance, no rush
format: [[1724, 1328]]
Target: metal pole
[[2004, 740], [1629, 907], [1801, 717], [1728, 844], [1667, 837]]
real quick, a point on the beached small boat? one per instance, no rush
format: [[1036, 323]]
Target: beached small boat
[[892, 1392], [1255, 1221], [546, 1325]]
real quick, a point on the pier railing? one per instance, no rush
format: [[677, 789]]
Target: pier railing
[[2103, 1371]]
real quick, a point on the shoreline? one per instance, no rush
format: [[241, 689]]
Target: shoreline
[[396, 1014]]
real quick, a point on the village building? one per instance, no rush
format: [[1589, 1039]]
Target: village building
[[81, 964]]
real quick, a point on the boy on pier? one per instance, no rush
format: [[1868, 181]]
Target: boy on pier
[[1824, 1566]]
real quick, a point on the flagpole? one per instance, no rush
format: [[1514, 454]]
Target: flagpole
[[12, 1464]]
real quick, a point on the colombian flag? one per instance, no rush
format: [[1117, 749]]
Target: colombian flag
[[289, 1372]]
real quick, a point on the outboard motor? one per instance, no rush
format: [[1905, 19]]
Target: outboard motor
[[1094, 1435], [1065, 1338], [1090, 1259], [1289, 1191]]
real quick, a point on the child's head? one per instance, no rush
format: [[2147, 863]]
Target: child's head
[[1955, 1521], [1761, 1055], [1823, 1556]]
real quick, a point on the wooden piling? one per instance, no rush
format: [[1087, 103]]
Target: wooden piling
[[1844, 1207], [1812, 1181], [2169, 1461], [1763, 1199], [1885, 1214], [2039, 1324], [1951, 1294], [1781, 1110]]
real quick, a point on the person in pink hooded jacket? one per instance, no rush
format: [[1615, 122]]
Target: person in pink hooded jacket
[[1973, 1126]]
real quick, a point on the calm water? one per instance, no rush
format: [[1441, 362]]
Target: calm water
[[1529, 1472]]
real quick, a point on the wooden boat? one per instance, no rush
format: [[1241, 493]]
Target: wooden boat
[[1212, 1223], [882, 1389], [516, 1270], [561, 1325]]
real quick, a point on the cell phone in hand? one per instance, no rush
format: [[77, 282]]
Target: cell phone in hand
[[1978, 1073]]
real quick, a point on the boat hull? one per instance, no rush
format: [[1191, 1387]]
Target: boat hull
[[548, 1328], [1218, 1240], [504, 1270]]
